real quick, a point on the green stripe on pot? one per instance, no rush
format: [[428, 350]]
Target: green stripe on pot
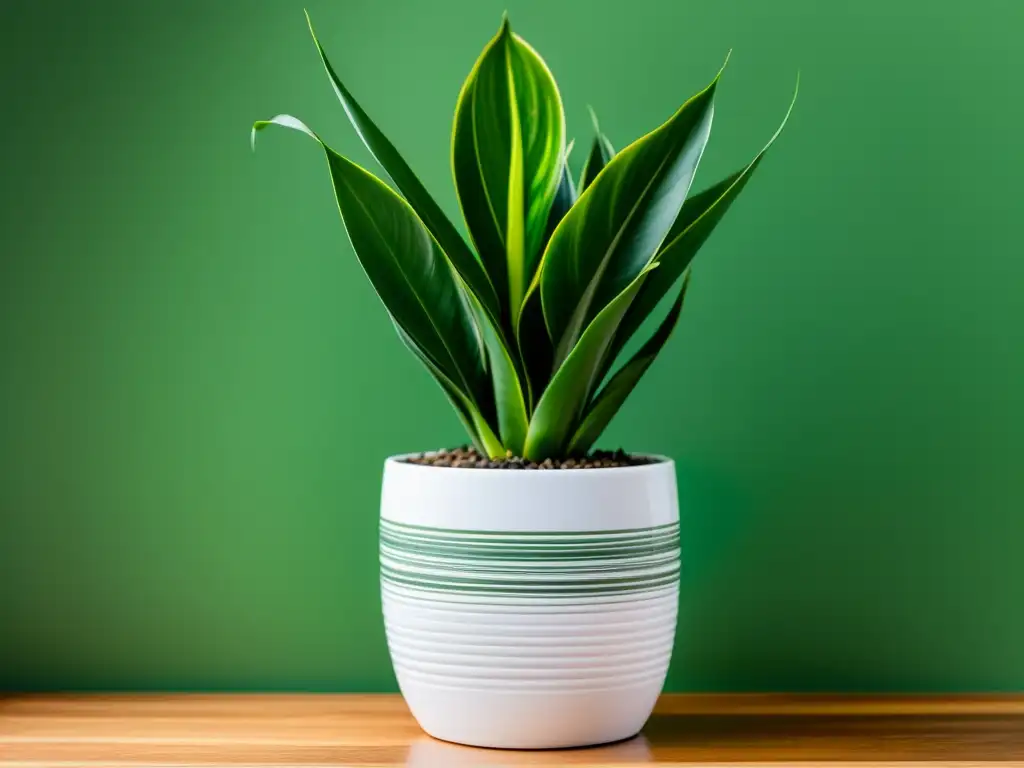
[[596, 581], [529, 566], [398, 534], [533, 589], [530, 563], [470, 553]]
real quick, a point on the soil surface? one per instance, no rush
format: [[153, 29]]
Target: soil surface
[[466, 457]]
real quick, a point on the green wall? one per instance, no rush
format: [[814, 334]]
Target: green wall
[[198, 385]]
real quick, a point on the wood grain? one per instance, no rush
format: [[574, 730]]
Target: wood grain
[[327, 730]]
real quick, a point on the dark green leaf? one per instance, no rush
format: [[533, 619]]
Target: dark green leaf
[[535, 347], [558, 413], [608, 401], [509, 397], [508, 394], [479, 430], [619, 222], [507, 149], [697, 220], [565, 196], [601, 153], [409, 185], [408, 269]]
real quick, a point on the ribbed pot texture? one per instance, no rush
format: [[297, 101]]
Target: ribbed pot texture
[[530, 609]]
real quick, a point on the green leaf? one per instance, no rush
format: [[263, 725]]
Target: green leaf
[[479, 430], [608, 401], [508, 396], [565, 196], [535, 347], [408, 269], [620, 221], [557, 415], [697, 220], [510, 402], [601, 153], [509, 399], [507, 148], [430, 213]]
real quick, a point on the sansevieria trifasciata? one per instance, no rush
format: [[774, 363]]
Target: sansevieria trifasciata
[[523, 325]]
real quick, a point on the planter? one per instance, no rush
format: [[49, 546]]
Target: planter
[[530, 608]]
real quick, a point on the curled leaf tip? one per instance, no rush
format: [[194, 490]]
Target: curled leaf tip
[[257, 126]]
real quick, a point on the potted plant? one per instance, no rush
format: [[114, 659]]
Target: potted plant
[[529, 584]]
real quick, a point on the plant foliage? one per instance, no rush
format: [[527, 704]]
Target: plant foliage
[[522, 329]]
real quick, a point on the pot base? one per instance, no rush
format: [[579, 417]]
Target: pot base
[[529, 720]]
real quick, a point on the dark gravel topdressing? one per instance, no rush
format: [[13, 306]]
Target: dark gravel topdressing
[[467, 457]]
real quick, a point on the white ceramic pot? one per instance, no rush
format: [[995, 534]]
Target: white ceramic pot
[[530, 608]]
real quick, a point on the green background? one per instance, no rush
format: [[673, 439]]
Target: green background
[[198, 385]]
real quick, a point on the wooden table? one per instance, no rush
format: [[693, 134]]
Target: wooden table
[[321, 730]]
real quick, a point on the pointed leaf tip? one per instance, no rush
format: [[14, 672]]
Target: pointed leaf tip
[[385, 153], [593, 119], [309, 23], [696, 221], [789, 111], [609, 234], [725, 63], [507, 148]]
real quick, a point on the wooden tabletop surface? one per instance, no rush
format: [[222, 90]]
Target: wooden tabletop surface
[[327, 730]]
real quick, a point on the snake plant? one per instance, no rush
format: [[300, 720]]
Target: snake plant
[[523, 329]]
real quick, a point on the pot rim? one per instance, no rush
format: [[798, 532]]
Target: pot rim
[[658, 461]]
